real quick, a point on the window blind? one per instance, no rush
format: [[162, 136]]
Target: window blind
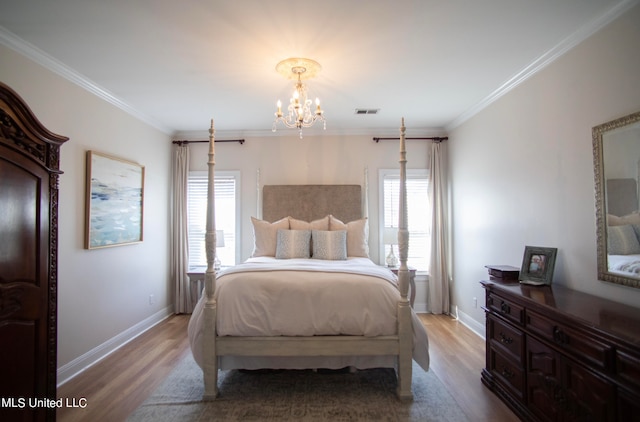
[[418, 216], [225, 210]]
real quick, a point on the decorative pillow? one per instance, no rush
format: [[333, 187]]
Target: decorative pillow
[[329, 244], [636, 229], [265, 236], [633, 218], [321, 224], [614, 220], [622, 240], [357, 235], [293, 244]]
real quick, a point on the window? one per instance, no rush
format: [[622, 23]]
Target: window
[[418, 214], [227, 185]]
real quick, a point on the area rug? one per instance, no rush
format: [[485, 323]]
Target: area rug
[[287, 395]]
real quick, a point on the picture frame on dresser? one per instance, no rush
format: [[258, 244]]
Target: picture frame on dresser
[[538, 265]]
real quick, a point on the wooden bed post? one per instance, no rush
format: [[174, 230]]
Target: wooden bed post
[[405, 359], [210, 364]]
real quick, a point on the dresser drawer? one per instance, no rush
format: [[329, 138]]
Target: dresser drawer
[[579, 345], [505, 308], [502, 335], [506, 372], [628, 368]]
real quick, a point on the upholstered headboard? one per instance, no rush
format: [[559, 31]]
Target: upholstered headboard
[[622, 196], [311, 202]]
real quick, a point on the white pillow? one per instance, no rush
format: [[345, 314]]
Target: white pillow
[[329, 244], [357, 235], [293, 244], [265, 236], [321, 224], [633, 218], [622, 240]]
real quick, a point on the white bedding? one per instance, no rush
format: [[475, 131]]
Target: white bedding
[[303, 297], [624, 264]]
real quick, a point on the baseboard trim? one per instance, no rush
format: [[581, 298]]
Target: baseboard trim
[[469, 322], [81, 363]]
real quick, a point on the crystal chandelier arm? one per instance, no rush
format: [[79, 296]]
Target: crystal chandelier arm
[[299, 112]]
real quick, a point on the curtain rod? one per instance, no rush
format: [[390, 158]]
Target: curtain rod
[[240, 141], [433, 138]]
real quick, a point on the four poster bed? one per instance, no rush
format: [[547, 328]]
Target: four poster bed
[[309, 297]]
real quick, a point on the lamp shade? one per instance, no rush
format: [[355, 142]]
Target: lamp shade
[[219, 239], [390, 236]]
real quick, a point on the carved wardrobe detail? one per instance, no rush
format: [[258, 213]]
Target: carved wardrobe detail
[[29, 171]]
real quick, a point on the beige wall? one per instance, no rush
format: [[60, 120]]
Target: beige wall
[[312, 160], [101, 293], [522, 169]]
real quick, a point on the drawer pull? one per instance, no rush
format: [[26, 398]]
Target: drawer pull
[[560, 397], [559, 336], [504, 307], [504, 339], [506, 373]]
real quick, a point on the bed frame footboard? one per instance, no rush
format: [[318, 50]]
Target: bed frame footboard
[[400, 345]]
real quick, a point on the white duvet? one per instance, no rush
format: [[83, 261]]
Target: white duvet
[[304, 297], [624, 264]]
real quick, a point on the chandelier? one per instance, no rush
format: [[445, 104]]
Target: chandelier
[[299, 112]]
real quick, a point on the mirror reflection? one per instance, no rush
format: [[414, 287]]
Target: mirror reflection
[[617, 165]]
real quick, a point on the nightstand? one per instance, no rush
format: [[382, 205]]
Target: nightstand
[[196, 281], [412, 282]]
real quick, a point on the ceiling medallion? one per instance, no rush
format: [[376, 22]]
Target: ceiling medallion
[[299, 112]]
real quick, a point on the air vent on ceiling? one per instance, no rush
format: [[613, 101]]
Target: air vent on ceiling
[[367, 110]]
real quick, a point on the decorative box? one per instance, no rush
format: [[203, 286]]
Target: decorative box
[[505, 273]]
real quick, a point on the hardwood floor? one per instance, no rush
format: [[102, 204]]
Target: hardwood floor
[[457, 358], [117, 385]]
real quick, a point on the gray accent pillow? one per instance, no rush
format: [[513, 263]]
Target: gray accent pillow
[[622, 240], [320, 224], [329, 244], [293, 244]]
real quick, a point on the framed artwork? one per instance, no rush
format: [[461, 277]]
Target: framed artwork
[[114, 201], [537, 265]]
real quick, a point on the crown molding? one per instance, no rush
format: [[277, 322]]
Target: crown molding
[[33, 53], [541, 62]]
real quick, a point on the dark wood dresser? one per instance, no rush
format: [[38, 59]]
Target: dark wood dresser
[[555, 354], [29, 169]]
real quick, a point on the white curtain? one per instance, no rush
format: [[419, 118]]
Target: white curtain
[[439, 267], [179, 251]]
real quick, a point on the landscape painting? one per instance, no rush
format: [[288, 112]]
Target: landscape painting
[[114, 201]]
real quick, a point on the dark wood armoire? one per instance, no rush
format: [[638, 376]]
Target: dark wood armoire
[[29, 171]]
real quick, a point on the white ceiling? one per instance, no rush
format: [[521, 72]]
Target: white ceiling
[[177, 64]]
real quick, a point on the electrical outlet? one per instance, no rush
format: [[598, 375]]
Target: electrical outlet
[[152, 299], [475, 302]]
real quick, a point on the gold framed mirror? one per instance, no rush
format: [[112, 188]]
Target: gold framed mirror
[[616, 161]]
